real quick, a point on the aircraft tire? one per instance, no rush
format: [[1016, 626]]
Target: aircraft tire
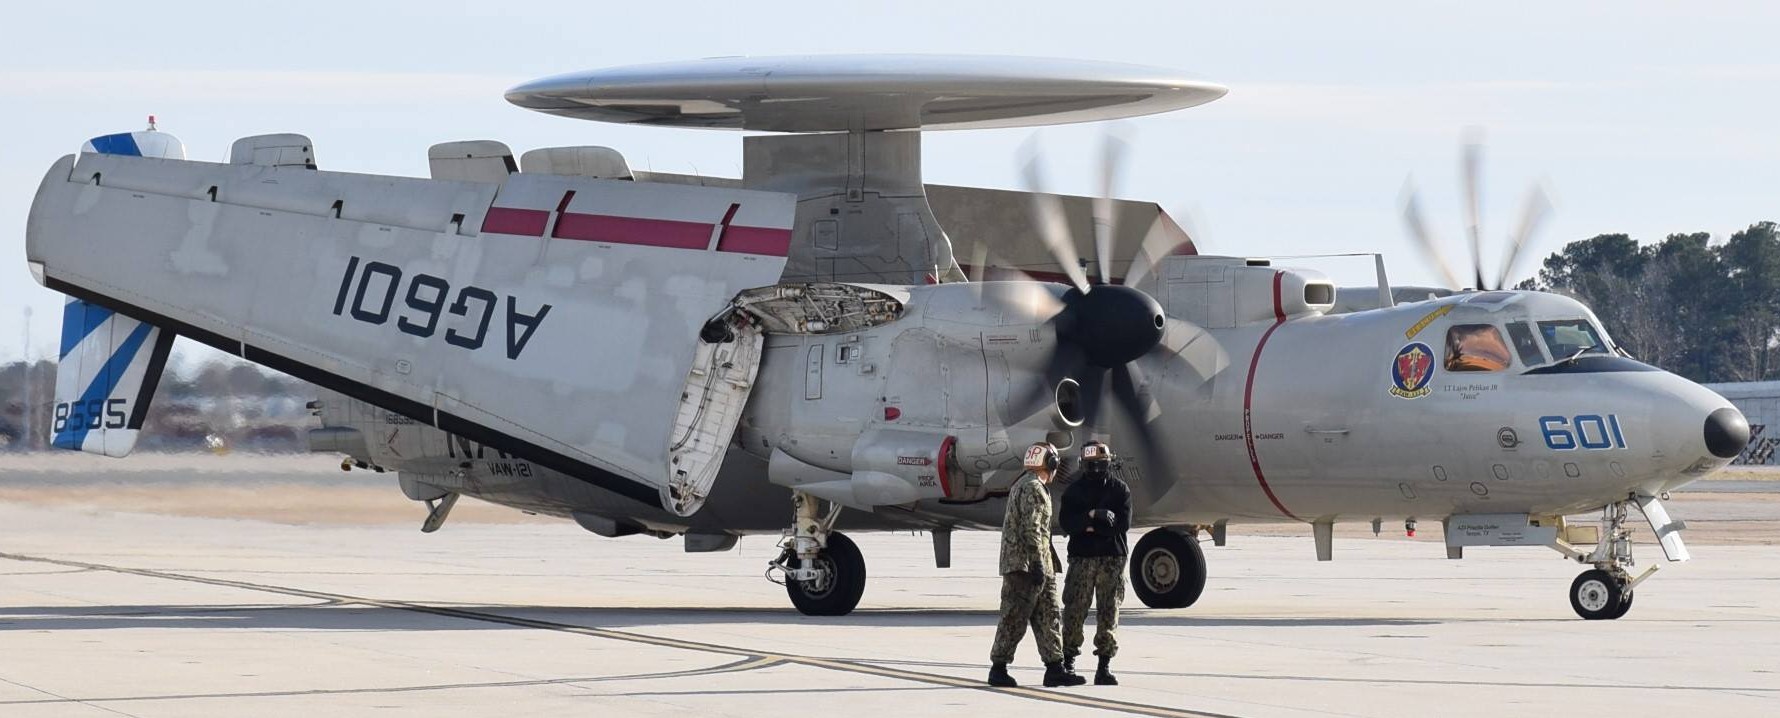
[[1625, 604], [841, 594], [1598, 595], [1167, 569]]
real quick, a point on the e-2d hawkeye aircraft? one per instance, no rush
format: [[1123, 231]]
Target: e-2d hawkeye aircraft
[[659, 354]]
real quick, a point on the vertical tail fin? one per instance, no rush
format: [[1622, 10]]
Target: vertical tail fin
[[109, 364]]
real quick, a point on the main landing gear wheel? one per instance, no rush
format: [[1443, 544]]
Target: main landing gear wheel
[[840, 583], [1168, 569], [1600, 595]]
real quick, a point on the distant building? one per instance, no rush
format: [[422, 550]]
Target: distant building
[[1760, 403]]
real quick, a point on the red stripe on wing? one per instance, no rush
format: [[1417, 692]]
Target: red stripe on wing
[[509, 220], [633, 230]]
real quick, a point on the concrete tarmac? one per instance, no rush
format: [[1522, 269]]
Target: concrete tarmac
[[106, 612]]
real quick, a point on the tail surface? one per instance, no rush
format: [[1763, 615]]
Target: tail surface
[[109, 364]]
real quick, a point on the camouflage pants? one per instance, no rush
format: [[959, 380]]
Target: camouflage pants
[[1027, 598], [1097, 579]]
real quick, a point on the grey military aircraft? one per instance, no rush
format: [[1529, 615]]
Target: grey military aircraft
[[648, 353]]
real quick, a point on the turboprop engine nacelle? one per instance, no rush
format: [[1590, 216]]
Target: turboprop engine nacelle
[[1224, 292], [878, 395]]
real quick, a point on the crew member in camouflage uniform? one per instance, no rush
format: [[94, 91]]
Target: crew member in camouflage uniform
[[1029, 569], [1096, 513]]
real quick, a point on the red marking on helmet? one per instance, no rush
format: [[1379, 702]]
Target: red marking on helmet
[[892, 413]]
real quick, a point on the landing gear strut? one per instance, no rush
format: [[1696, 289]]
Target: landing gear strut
[[824, 573], [1605, 591], [1168, 568]]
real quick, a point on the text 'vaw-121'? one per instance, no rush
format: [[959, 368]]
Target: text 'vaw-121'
[[672, 355]]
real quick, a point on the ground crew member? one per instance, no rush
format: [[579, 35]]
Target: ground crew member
[[1029, 569], [1096, 513]]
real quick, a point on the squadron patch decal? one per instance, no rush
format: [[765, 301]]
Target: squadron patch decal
[[1411, 371]]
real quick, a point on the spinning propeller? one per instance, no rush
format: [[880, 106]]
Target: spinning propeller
[[1533, 212], [1102, 328]]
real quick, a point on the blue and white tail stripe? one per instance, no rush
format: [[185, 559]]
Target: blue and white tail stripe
[[158, 145], [109, 367]]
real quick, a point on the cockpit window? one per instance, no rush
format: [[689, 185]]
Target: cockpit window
[[1525, 344], [1475, 347], [1570, 337]]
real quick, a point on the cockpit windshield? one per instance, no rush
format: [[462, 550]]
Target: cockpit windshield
[[1570, 337]]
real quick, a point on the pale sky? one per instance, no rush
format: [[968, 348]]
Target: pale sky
[[1644, 117]]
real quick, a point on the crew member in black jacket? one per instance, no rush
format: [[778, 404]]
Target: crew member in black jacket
[[1096, 513]]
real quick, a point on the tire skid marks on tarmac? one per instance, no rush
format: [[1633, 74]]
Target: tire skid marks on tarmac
[[748, 656]]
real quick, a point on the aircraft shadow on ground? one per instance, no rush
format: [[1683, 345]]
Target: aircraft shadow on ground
[[342, 616]]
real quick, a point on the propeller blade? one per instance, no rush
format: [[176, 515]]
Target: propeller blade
[[1064, 362], [1093, 381], [1161, 240], [1111, 157], [1424, 237], [1468, 176], [1053, 225], [979, 266], [1158, 472], [1035, 397], [1022, 302], [1532, 214]]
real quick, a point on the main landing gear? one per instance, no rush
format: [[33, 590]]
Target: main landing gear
[[824, 573], [1168, 568]]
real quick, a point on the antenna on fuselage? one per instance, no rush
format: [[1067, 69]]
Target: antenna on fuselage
[[1384, 283]]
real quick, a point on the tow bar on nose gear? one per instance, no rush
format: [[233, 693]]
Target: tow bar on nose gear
[[1605, 591]]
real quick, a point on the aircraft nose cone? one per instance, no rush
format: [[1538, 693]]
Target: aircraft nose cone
[[1727, 432]]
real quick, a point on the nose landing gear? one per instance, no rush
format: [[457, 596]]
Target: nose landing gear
[[1605, 591]]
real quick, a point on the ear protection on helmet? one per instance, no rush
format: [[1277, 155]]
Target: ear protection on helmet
[[1042, 456]]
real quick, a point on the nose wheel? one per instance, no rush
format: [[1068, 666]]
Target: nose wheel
[[1599, 595], [1604, 593]]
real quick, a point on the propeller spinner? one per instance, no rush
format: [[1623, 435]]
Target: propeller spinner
[[1102, 328]]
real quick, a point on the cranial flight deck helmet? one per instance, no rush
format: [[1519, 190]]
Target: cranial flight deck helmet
[[1096, 452], [1042, 456]]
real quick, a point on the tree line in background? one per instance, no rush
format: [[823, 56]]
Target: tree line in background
[[1709, 312]]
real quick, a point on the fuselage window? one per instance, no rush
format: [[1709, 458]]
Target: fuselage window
[[1569, 337], [1475, 347], [1525, 344]]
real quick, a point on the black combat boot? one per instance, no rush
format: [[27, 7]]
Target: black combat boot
[[999, 678], [1056, 676], [1104, 676], [1069, 662]]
